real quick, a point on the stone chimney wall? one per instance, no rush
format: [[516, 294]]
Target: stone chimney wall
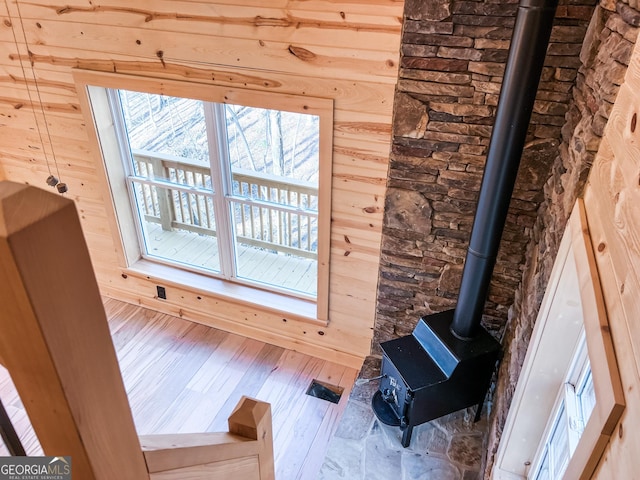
[[604, 58], [452, 61]]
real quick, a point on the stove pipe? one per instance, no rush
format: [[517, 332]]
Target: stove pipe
[[519, 86], [447, 363]]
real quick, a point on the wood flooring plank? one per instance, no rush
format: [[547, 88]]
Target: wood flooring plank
[[188, 359], [249, 385], [209, 389], [148, 355], [125, 322], [187, 378], [285, 390], [314, 458], [308, 438]]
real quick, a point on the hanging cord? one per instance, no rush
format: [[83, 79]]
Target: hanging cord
[[52, 180]]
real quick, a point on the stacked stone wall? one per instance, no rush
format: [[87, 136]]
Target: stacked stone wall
[[604, 56], [452, 61]]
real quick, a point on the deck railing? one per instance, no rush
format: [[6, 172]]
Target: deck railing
[[268, 211]]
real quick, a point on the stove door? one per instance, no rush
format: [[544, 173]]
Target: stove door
[[391, 400]]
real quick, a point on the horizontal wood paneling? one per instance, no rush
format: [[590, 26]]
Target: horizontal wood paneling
[[320, 28], [60, 125], [343, 50], [327, 342], [376, 14], [364, 96], [98, 40]]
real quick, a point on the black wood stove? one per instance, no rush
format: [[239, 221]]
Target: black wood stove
[[448, 361], [431, 373]]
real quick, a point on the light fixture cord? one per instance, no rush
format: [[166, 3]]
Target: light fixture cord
[[35, 81]]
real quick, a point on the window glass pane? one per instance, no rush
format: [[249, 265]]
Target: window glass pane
[[167, 125], [559, 444], [168, 143], [225, 188], [587, 396], [273, 158], [543, 473]]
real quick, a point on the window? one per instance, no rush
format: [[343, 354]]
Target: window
[[574, 404], [555, 455], [226, 189], [569, 397], [230, 184]]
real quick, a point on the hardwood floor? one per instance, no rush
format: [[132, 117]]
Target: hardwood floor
[[184, 377]]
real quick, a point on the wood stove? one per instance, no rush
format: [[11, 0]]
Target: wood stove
[[448, 361], [431, 373]]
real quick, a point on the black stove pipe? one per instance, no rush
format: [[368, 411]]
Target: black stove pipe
[[517, 95]]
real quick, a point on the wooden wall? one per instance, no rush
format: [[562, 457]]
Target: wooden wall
[[612, 199], [346, 50]]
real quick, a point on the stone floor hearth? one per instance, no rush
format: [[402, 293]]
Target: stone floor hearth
[[448, 448]]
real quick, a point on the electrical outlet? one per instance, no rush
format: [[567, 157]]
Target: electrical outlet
[[162, 293]]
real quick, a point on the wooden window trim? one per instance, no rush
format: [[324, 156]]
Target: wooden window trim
[[122, 225], [604, 368], [522, 434]]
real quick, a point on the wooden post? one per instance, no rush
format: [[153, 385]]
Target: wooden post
[[245, 452], [252, 419], [165, 202], [55, 338]]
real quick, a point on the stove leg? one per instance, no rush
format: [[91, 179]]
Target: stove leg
[[406, 435], [479, 408], [476, 419]]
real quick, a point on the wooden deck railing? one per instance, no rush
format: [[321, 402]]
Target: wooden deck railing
[[57, 347], [268, 211]]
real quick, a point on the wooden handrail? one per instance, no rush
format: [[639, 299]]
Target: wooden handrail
[[252, 419], [247, 448], [55, 338], [57, 347]]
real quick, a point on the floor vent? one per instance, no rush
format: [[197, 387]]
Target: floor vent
[[324, 391]]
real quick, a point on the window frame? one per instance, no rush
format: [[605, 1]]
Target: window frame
[[523, 431], [94, 101], [567, 401], [547, 450]]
